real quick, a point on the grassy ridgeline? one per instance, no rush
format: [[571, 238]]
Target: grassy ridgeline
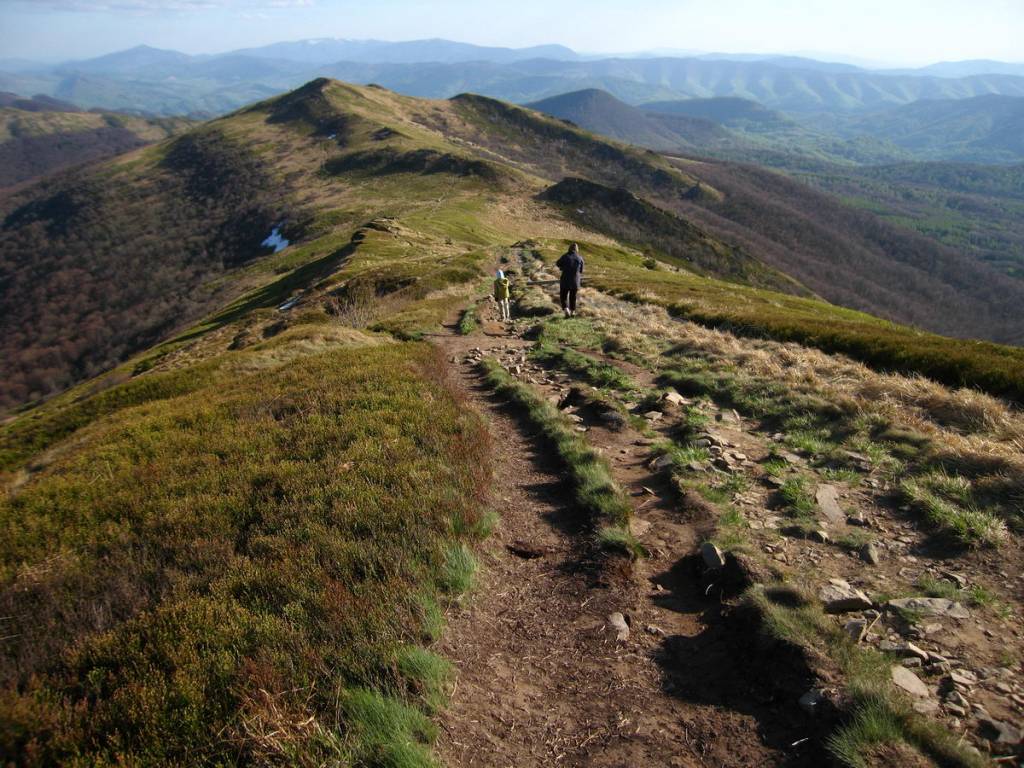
[[245, 572]]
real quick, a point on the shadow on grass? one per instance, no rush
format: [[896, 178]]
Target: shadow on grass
[[274, 293]]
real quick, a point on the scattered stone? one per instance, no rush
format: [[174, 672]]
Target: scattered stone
[[925, 706], [905, 679], [911, 662], [862, 462], [811, 701], [819, 536], [856, 629], [931, 629], [999, 733], [857, 519], [618, 623], [653, 415], [712, 555], [958, 699], [839, 597], [903, 649], [651, 629], [774, 482], [827, 499], [662, 462], [931, 606], [675, 398], [956, 710], [869, 554], [714, 439], [696, 466], [963, 678], [702, 443], [789, 458]]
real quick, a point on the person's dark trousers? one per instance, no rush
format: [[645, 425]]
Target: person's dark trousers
[[567, 294]]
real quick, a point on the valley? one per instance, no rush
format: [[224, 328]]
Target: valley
[[313, 503]]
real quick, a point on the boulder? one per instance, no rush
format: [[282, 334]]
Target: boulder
[[839, 597], [931, 606], [906, 680]]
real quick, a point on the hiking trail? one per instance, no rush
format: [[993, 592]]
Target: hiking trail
[[541, 677]]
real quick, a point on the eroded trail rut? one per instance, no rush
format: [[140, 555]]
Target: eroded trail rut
[[541, 678]]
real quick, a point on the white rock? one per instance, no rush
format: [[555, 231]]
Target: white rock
[[909, 682]]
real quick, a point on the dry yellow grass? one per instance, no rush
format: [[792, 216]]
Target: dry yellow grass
[[966, 422]]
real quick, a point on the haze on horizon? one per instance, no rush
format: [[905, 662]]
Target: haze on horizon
[[884, 32]]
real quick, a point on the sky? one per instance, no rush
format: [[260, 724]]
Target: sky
[[886, 32]]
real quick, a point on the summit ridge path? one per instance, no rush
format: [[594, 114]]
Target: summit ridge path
[[541, 677]]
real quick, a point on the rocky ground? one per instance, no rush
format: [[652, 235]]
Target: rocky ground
[[647, 662]]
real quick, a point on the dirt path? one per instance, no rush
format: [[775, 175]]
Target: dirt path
[[542, 678]]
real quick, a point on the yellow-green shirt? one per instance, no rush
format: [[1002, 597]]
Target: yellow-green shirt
[[501, 289]]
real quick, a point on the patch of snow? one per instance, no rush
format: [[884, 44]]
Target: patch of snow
[[333, 136], [275, 240], [289, 304]]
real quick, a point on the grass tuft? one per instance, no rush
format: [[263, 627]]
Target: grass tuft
[[384, 732], [947, 502], [594, 489]]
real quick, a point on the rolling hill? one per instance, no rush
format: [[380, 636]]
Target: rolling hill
[[602, 113], [149, 242], [43, 135], [246, 522]]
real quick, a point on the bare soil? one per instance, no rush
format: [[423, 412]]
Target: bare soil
[[542, 678]]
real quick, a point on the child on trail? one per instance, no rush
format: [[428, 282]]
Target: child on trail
[[571, 264], [501, 295]]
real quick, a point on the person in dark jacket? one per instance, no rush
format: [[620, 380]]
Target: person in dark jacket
[[571, 264]]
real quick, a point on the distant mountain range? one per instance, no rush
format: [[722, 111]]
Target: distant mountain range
[[981, 129], [169, 82]]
